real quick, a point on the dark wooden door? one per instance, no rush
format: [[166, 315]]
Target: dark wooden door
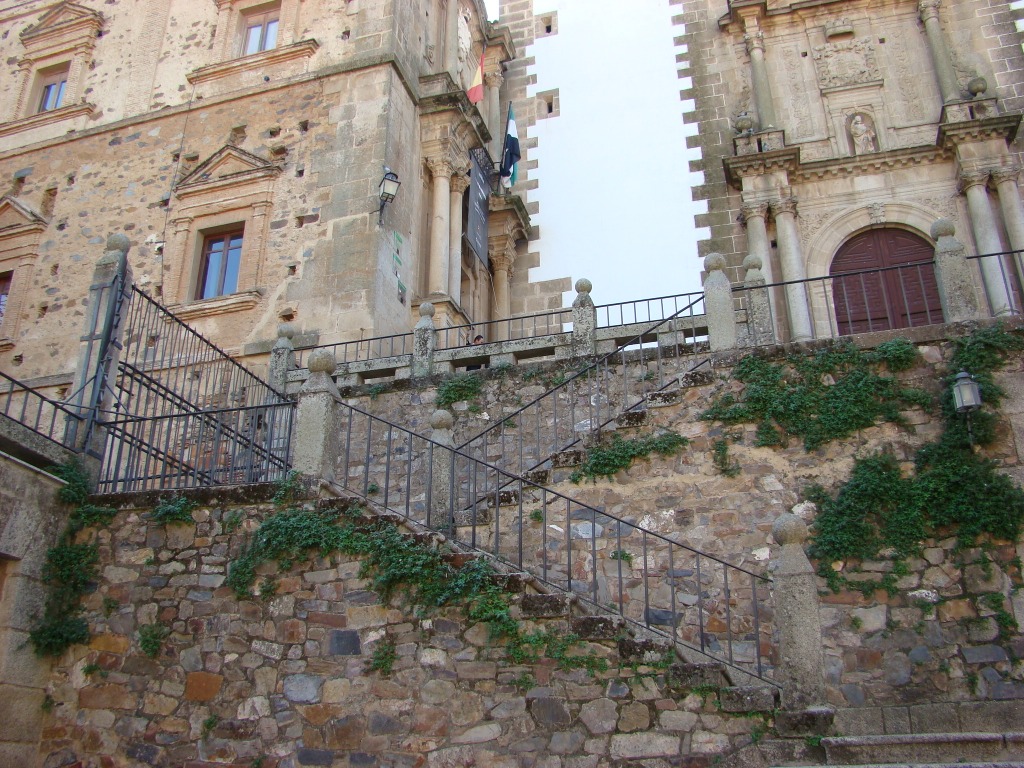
[[892, 284]]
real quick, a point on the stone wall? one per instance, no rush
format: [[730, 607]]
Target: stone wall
[[30, 521]]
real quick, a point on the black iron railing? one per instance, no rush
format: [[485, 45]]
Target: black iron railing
[[34, 410], [676, 591]]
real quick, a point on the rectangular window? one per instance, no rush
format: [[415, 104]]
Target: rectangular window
[[260, 32], [5, 291], [218, 269], [52, 89]]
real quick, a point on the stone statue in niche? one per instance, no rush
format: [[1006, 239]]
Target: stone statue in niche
[[862, 134]]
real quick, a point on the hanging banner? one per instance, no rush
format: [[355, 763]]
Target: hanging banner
[[479, 195]]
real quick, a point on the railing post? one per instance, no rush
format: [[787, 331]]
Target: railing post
[[100, 346], [282, 358], [801, 670], [584, 321], [718, 304], [315, 436], [760, 328], [953, 275], [441, 423], [424, 341]]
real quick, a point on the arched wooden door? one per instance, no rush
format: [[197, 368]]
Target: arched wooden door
[[892, 284]]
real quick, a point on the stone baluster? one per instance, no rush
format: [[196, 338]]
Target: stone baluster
[[424, 341], [440, 231], [953, 275], [986, 238], [584, 321], [459, 184], [282, 358], [792, 262], [759, 81], [948, 85], [760, 326], [718, 304], [441, 461], [801, 670], [316, 433]]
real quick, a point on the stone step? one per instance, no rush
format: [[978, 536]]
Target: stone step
[[545, 606], [539, 476], [748, 698], [663, 398], [700, 674], [570, 458], [924, 747], [598, 627], [631, 420]]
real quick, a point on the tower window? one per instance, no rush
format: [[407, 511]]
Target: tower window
[[260, 31], [218, 268], [52, 89]]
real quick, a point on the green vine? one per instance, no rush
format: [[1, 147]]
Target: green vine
[[69, 568], [176, 510], [607, 460], [398, 566], [384, 657], [720, 458], [463, 386], [821, 397]]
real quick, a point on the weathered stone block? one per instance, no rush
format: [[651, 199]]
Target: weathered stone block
[[551, 713], [639, 745], [202, 686], [343, 642], [753, 698]]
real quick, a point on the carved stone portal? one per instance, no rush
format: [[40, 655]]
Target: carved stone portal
[[846, 63]]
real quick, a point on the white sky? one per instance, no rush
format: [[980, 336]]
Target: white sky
[[614, 194]]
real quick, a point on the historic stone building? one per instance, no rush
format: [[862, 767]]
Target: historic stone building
[[834, 134], [240, 144]]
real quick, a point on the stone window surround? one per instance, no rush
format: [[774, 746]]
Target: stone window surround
[[242, 202], [19, 250], [230, 32]]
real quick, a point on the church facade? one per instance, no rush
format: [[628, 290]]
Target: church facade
[[835, 134], [241, 146]]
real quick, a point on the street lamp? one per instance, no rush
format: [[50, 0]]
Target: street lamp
[[388, 189], [966, 398]]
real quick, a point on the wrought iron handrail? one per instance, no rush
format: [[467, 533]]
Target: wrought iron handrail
[[361, 350], [32, 409], [499, 330], [694, 598]]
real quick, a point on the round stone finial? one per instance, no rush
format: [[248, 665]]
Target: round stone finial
[[744, 123], [789, 529], [714, 262], [426, 309], [752, 261], [977, 86], [584, 286], [118, 242], [285, 331], [943, 228], [441, 419], [322, 361]]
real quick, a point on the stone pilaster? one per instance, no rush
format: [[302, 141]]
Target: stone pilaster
[[451, 39], [718, 304], [459, 184], [986, 238], [316, 433], [948, 85], [953, 275], [759, 81], [493, 82], [501, 264], [584, 321], [440, 229], [282, 358], [424, 340], [1006, 183], [792, 262]]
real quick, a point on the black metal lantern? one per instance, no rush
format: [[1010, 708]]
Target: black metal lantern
[[966, 393], [388, 189]]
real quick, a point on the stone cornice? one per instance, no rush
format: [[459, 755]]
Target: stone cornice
[[441, 94], [762, 9], [300, 50], [500, 37], [46, 118], [873, 163], [217, 306], [998, 127], [513, 203], [760, 163]]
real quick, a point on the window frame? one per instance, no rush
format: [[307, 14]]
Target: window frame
[[266, 16], [6, 282], [48, 78], [230, 252]]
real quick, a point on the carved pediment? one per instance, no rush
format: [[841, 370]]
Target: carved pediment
[[15, 214], [62, 18], [228, 164]]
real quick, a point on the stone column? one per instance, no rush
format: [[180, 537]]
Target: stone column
[[282, 358], [424, 341], [502, 265], [948, 85], [758, 244], [986, 238], [451, 39], [440, 231], [792, 262], [100, 345], [584, 321], [760, 328], [759, 81], [953, 275], [459, 184], [718, 304], [493, 81], [315, 437], [440, 515], [1008, 190], [801, 669]]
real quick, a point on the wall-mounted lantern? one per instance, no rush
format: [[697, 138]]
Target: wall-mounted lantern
[[388, 189], [966, 398]]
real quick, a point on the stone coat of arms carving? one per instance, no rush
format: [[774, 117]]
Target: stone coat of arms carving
[[849, 62]]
